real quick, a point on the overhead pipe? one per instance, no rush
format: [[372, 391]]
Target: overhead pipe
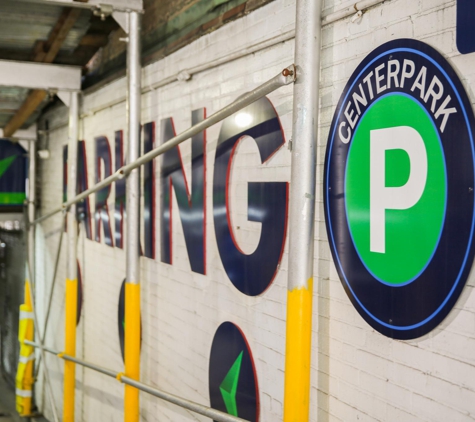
[[71, 274], [187, 74], [359, 6], [243, 101], [302, 211], [132, 283]]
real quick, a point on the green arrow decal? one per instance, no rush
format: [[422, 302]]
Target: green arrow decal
[[228, 387], [5, 163]]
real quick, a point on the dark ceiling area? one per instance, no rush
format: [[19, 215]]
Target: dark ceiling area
[[44, 33]]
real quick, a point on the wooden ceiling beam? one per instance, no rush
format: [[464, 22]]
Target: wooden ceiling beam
[[94, 40], [29, 106], [45, 52]]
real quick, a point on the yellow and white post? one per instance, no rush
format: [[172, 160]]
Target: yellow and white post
[[71, 275], [132, 285], [24, 376], [302, 211]]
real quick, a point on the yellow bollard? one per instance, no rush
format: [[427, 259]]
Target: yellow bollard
[[24, 377]]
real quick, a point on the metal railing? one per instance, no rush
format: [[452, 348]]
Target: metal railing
[[287, 76], [243, 101], [171, 398]]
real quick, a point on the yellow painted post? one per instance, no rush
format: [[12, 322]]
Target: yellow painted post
[[132, 350], [24, 377], [69, 386], [132, 285], [297, 358], [28, 380], [70, 349], [302, 211]]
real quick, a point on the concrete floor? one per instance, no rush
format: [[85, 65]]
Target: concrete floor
[[7, 405]]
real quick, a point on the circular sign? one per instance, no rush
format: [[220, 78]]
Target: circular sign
[[79, 296], [232, 376], [398, 188], [121, 321]]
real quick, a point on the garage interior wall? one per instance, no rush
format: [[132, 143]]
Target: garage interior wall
[[357, 374]]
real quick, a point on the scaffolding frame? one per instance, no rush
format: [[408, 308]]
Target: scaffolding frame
[[305, 73]]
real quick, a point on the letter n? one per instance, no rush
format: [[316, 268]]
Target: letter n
[[103, 165], [191, 206]]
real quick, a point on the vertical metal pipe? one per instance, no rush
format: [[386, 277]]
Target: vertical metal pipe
[[30, 279], [71, 274], [302, 211], [31, 204], [132, 285]]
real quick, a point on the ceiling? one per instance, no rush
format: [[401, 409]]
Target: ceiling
[[44, 33]]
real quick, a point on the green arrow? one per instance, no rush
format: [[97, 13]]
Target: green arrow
[[5, 163], [228, 387]]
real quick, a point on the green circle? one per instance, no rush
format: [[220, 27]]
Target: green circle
[[412, 234]]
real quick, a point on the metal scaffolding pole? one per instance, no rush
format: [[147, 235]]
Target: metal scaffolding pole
[[51, 292], [31, 204], [30, 282], [71, 275], [132, 285], [286, 77], [27, 401], [302, 211]]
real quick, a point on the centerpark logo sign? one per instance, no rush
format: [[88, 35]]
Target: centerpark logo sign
[[398, 188]]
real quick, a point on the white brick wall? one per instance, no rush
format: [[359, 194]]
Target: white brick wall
[[357, 374]]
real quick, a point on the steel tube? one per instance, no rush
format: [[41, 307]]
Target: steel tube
[[132, 283], [29, 290], [39, 346], [327, 19], [31, 202], [349, 11], [286, 36], [217, 415], [243, 101], [79, 5], [302, 211], [30, 285], [96, 368], [81, 362], [71, 272], [53, 284]]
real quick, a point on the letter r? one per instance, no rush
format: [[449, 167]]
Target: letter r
[[382, 198]]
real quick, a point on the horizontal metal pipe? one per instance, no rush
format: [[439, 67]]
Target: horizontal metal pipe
[[243, 101], [349, 11], [217, 415], [286, 36], [45, 348], [222, 60], [89, 365], [80, 5]]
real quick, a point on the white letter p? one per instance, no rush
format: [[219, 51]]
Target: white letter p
[[403, 197]]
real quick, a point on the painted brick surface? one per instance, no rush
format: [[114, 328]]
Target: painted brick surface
[[357, 374]]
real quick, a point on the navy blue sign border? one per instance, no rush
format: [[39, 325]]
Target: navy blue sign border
[[228, 341], [401, 312]]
